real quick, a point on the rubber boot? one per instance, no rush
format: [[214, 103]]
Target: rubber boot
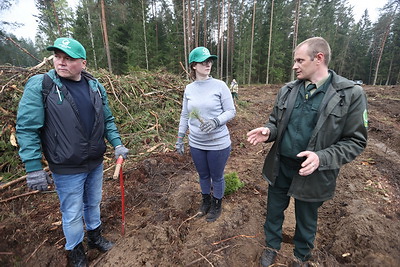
[[95, 240], [215, 210], [205, 205], [77, 256]]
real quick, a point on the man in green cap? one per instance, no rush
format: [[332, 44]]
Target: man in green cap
[[64, 114]]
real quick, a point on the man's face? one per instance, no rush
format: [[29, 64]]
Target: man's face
[[68, 67], [304, 66]]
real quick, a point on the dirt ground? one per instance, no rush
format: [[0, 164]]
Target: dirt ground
[[359, 227]]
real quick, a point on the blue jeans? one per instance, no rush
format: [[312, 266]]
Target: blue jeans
[[210, 164], [80, 196]]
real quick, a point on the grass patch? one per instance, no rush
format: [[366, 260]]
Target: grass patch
[[232, 183]]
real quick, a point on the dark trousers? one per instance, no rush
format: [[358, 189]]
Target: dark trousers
[[210, 164], [306, 214]]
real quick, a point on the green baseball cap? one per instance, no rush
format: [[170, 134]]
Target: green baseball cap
[[200, 54], [69, 46]]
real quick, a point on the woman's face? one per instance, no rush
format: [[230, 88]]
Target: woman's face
[[203, 69]]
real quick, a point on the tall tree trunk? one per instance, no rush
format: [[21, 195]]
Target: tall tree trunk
[[185, 43], [205, 24], [270, 40], [228, 50], [390, 69], [144, 36], [242, 53], [196, 23], [222, 40], [90, 28], [295, 33], [189, 26], [154, 11], [218, 37], [56, 18], [105, 35], [252, 39], [382, 46]]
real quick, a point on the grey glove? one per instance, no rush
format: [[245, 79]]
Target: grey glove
[[180, 147], [209, 125], [121, 151], [38, 180]]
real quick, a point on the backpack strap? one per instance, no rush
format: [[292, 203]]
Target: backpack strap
[[47, 84]]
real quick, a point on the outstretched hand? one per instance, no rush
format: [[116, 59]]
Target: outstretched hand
[[258, 135]]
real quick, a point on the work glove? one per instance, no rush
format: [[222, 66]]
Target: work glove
[[38, 180], [209, 125], [180, 147], [121, 151]]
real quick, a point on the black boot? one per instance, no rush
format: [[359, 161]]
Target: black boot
[[215, 210], [268, 257], [205, 205], [95, 240], [77, 256]]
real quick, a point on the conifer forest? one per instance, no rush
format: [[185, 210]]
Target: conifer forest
[[253, 39]]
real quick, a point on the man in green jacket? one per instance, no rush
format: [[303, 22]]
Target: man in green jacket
[[64, 114], [318, 123]]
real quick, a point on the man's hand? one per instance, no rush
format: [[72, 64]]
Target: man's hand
[[38, 180], [180, 147], [121, 151], [310, 164], [258, 135], [209, 125]]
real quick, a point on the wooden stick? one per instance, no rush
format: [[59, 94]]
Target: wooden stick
[[22, 195], [12, 182], [188, 219], [21, 48], [180, 62], [205, 259], [17, 180], [116, 97], [33, 253], [118, 166], [212, 252], [45, 60], [6, 253], [248, 236]]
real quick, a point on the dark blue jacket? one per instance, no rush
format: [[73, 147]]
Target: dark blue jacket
[[56, 129]]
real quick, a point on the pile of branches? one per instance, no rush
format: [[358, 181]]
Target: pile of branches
[[146, 106]]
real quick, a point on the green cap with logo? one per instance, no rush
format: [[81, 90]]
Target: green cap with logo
[[200, 54], [69, 46]]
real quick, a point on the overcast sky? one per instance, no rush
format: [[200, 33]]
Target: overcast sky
[[24, 11]]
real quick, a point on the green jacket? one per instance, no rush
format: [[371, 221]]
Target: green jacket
[[54, 128], [339, 136]]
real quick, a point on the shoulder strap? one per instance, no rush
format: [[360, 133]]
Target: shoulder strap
[[47, 84]]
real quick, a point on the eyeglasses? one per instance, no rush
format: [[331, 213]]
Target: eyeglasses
[[206, 62]]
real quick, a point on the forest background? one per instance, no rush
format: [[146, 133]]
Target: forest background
[[253, 39]]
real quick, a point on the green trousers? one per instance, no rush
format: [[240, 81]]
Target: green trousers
[[306, 214]]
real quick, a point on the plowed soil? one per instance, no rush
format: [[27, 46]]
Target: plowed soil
[[359, 227]]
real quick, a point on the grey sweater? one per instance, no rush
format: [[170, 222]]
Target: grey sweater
[[211, 98]]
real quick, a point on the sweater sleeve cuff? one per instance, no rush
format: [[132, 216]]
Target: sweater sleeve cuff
[[116, 142], [33, 165]]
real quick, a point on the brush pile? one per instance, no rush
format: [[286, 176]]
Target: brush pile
[[146, 107]]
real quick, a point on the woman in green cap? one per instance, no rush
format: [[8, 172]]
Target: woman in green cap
[[206, 108]]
